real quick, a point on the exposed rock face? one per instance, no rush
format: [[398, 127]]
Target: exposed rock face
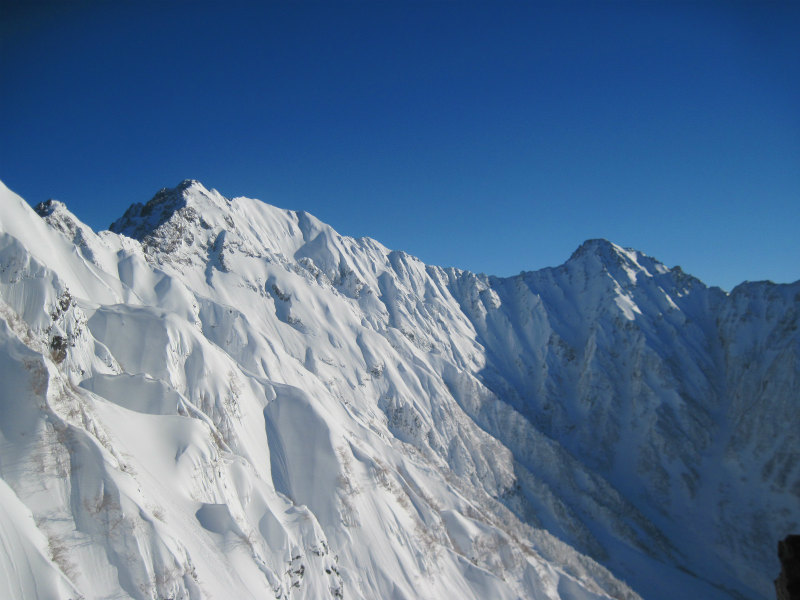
[[787, 585]]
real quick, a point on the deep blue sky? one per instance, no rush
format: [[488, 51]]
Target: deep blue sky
[[492, 137]]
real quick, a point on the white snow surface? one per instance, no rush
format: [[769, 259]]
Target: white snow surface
[[222, 399]]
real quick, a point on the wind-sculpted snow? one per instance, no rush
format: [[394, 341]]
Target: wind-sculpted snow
[[218, 398]]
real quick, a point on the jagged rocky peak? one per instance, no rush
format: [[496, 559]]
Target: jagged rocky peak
[[188, 215], [190, 224], [58, 216], [48, 207], [187, 200]]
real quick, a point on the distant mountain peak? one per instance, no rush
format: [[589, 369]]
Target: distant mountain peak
[[599, 247], [599, 252], [621, 263]]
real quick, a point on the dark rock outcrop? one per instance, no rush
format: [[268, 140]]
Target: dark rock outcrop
[[787, 585]]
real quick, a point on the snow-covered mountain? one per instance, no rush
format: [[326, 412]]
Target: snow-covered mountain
[[222, 399]]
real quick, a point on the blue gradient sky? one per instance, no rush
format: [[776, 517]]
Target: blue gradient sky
[[492, 137]]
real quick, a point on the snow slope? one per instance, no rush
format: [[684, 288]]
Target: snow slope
[[218, 398]]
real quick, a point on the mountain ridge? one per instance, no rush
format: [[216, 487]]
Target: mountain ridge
[[602, 402], [137, 224]]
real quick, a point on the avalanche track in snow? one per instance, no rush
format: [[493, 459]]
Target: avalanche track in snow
[[221, 399]]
